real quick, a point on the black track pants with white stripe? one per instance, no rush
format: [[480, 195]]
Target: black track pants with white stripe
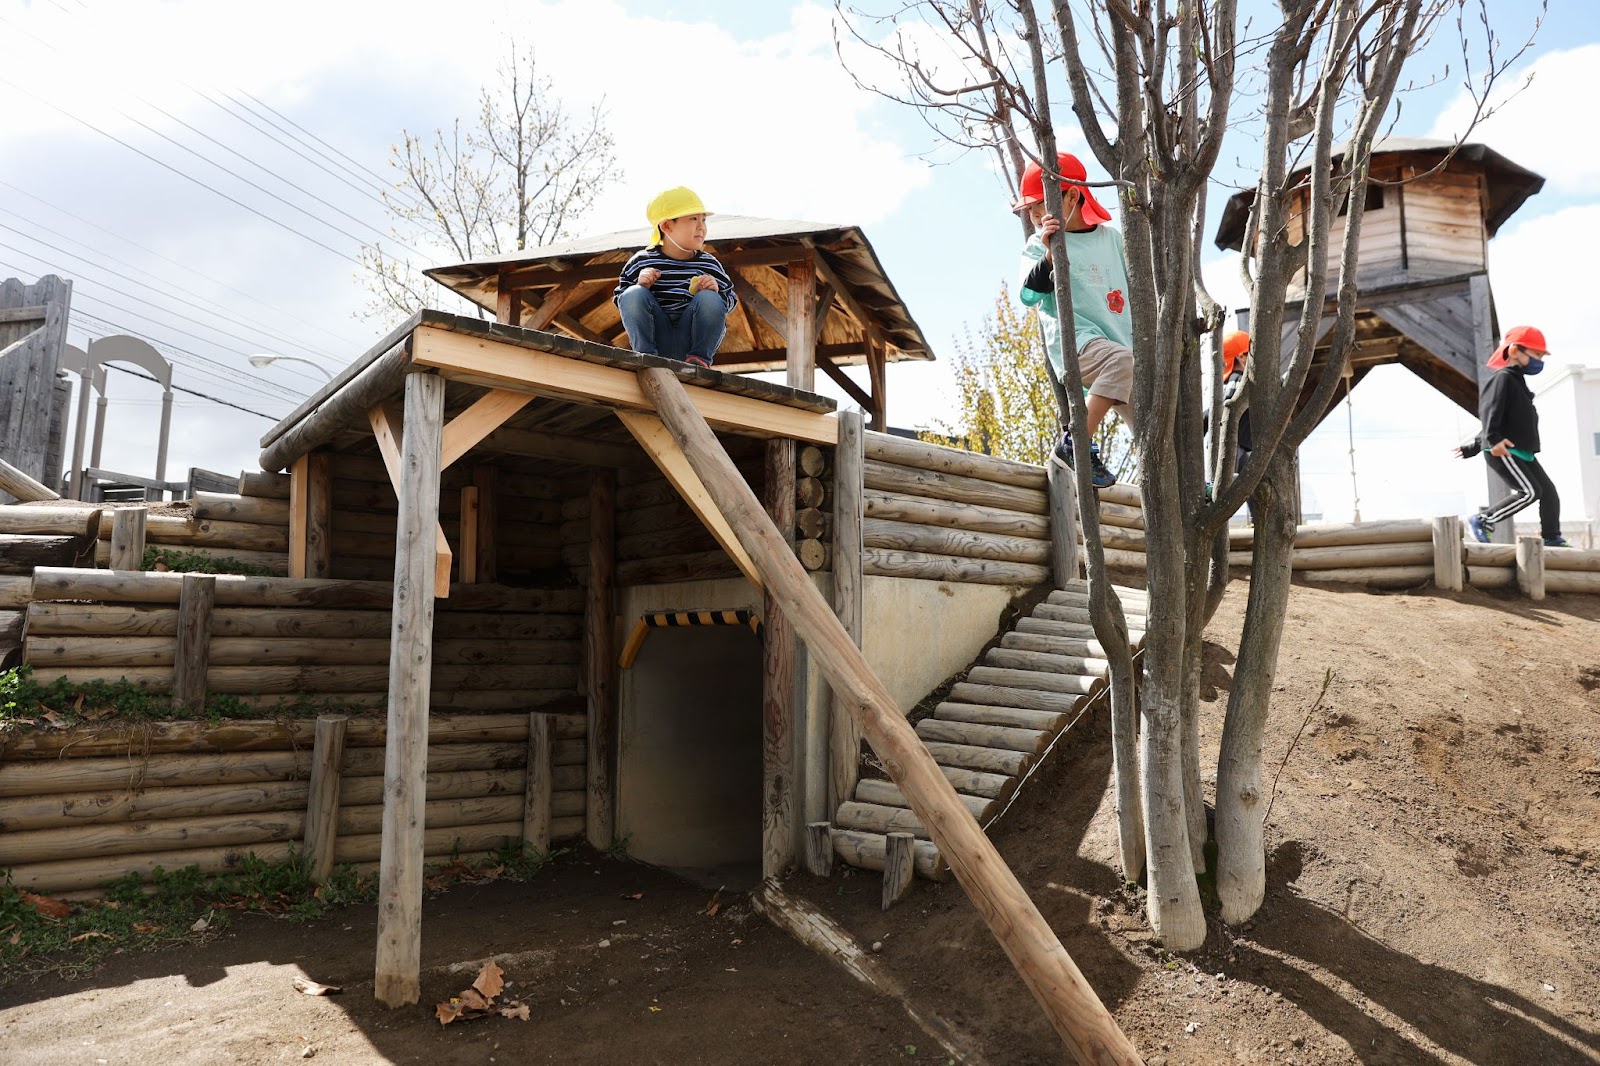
[[1528, 482]]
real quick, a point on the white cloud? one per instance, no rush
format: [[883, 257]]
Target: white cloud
[[1533, 121]]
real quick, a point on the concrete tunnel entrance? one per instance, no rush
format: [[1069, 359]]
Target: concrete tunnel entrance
[[689, 755]]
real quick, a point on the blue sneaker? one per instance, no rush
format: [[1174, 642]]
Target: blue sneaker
[[1064, 449], [1482, 530], [1100, 476], [1557, 541]]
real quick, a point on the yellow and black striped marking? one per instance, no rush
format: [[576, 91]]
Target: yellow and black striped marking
[[664, 619]]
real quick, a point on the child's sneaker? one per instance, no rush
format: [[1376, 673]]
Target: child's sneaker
[[1557, 541], [1482, 529], [1064, 449], [1100, 476]]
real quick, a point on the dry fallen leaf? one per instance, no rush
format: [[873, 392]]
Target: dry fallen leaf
[[50, 908], [448, 1011], [490, 979], [147, 927], [56, 720], [515, 1010], [633, 895], [15, 938], [716, 903], [90, 933], [202, 925], [312, 988]]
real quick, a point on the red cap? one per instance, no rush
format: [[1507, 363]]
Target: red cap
[[1072, 174], [1235, 346], [1528, 337]]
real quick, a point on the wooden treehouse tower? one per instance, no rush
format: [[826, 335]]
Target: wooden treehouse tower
[[1424, 299], [811, 297]]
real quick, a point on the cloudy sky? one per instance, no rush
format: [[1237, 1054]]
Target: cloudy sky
[[206, 176]]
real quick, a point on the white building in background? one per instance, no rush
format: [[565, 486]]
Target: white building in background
[[1568, 395]]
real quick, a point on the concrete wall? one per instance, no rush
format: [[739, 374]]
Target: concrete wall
[[1569, 436], [917, 633]]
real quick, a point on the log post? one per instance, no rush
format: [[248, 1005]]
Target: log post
[[469, 535], [599, 657], [483, 479], [819, 849], [802, 322], [319, 515], [1530, 567], [899, 867], [1063, 523], [197, 594], [127, 538], [1078, 1016], [778, 663], [398, 967], [322, 805], [844, 737], [536, 795], [1449, 564]]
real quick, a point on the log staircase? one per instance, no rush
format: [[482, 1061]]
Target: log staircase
[[988, 737]]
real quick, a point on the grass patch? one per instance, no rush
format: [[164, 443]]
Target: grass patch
[[26, 704], [43, 937], [178, 561]]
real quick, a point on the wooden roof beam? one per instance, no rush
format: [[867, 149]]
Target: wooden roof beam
[[845, 382], [868, 321], [498, 364], [389, 446], [546, 273]]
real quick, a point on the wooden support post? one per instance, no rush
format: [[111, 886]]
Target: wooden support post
[[389, 447], [1530, 567], [819, 849], [483, 479], [802, 323], [1082, 1021], [322, 806], [1063, 523], [468, 574], [311, 516], [197, 593], [778, 671], [844, 736], [1449, 562], [878, 377], [536, 796], [127, 538], [599, 657], [899, 867], [397, 980], [507, 302]]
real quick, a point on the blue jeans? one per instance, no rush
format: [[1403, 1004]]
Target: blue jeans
[[698, 329]]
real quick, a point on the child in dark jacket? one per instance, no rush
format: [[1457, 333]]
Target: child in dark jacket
[[1509, 439]]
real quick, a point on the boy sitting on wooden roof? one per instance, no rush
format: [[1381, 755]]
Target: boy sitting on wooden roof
[[674, 297]]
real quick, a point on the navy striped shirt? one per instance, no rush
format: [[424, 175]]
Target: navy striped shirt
[[671, 290]]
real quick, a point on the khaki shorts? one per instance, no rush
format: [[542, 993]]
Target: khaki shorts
[[1107, 368]]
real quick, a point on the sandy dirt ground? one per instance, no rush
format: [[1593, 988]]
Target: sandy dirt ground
[[1433, 898]]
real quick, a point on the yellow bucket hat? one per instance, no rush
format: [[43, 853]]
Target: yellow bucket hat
[[674, 203]]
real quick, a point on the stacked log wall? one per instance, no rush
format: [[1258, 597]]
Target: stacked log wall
[[275, 639], [81, 807]]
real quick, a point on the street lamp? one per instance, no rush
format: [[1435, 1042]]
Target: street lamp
[[267, 359]]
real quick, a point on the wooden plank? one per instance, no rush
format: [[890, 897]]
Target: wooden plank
[[397, 969], [779, 654], [844, 381], [914, 537], [1530, 567], [196, 598], [30, 315], [819, 849], [1449, 559], [21, 485], [536, 811], [299, 514], [802, 321], [1063, 494], [502, 365], [891, 477], [322, 802], [899, 867], [924, 455], [658, 443], [469, 535], [927, 511], [487, 413], [1028, 940], [599, 659], [887, 562], [485, 480], [752, 299], [389, 447], [844, 736]]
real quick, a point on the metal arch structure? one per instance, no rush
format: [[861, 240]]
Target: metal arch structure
[[90, 367]]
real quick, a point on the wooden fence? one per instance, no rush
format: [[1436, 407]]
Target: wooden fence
[[81, 807]]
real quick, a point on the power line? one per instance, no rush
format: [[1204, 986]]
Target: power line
[[185, 176], [192, 392], [164, 258], [111, 327], [186, 301]]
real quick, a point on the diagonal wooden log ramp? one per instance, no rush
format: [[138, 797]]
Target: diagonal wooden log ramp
[[1087, 1029], [987, 739]]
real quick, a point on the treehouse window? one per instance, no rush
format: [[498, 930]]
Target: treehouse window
[[1374, 200]]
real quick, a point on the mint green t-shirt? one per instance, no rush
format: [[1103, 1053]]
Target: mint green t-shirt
[[1099, 290]]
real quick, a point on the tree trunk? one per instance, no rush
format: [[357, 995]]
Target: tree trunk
[[1125, 768], [1241, 852], [1174, 897]]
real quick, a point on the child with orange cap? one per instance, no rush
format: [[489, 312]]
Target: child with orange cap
[[1100, 319], [674, 297], [1509, 439], [1235, 353]]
